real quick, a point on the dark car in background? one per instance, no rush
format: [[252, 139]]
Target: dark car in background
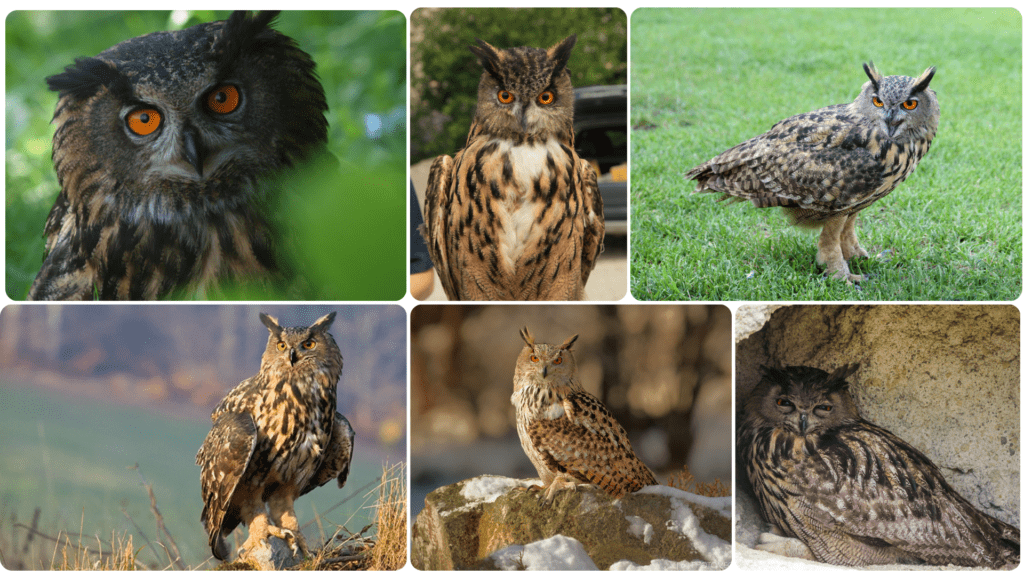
[[600, 121]]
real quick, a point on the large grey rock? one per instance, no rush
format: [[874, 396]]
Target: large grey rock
[[472, 524], [944, 378]]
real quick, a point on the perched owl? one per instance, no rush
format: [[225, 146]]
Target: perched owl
[[825, 166], [275, 437], [516, 215], [164, 148], [569, 436], [853, 492]]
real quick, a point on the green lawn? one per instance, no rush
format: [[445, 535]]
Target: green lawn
[[705, 80], [343, 231]]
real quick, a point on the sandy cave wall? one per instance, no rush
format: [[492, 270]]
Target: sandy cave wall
[[944, 378]]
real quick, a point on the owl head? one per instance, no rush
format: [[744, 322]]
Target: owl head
[[546, 362], [190, 119], [803, 400], [902, 107], [300, 346], [525, 91]]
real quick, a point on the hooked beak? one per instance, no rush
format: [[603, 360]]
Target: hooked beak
[[892, 122], [544, 372], [803, 424], [192, 149], [292, 357]]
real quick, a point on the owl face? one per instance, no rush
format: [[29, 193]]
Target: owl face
[[804, 401], [546, 362], [525, 90], [290, 347], [900, 106], [196, 115]]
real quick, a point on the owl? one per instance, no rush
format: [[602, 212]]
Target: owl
[[824, 167], [516, 214], [852, 491], [165, 147], [569, 436], [275, 437]]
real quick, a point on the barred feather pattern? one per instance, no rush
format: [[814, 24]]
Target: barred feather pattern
[[516, 214], [853, 492], [566, 431], [277, 435], [182, 208], [825, 166]]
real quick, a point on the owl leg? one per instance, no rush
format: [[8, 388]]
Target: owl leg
[[830, 251], [848, 239], [282, 510], [558, 483]]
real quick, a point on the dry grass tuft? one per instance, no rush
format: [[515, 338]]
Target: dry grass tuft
[[389, 552], [684, 480]]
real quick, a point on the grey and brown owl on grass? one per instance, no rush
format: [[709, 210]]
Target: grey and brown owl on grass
[[853, 492], [275, 437], [567, 433], [516, 214], [165, 146], [825, 166]]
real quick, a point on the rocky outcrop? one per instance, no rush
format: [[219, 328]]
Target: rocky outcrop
[[944, 378], [491, 522]]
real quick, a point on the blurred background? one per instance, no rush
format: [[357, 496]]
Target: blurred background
[[359, 208], [664, 371], [87, 392]]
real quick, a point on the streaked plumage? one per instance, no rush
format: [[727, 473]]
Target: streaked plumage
[[853, 492], [516, 214], [569, 436], [165, 148], [275, 437], [825, 166]]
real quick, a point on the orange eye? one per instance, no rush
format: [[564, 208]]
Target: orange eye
[[505, 97], [877, 101], [534, 359], [546, 97], [909, 104], [143, 121], [281, 346], [557, 360], [223, 99], [309, 344]]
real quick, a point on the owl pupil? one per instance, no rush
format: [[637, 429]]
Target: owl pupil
[[144, 118], [220, 97]]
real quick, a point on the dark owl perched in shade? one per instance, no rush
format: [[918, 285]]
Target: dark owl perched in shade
[[516, 214], [568, 434], [275, 437], [853, 492], [164, 148], [825, 166]]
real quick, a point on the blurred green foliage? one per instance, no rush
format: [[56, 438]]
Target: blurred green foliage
[[344, 229], [445, 74]]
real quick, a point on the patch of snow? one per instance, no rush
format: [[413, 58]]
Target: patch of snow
[[488, 488], [715, 550], [662, 565], [484, 489], [721, 504], [640, 528], [555, 553]]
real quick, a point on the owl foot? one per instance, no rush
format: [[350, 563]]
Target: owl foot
[[257, 547], [783, 546], [296, 543], [559, 483]]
